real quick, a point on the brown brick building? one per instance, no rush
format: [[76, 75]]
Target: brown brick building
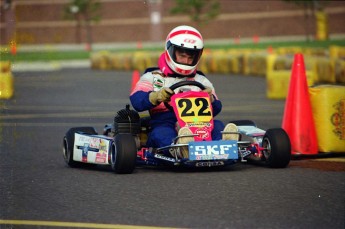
[[42, 21]]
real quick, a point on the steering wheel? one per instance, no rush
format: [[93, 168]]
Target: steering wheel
[[181, 84]]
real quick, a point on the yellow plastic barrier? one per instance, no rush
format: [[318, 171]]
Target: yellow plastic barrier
[[6, 85], [339, 71], [324, 70], [6, 80], [277, 83], [321, 25], [202, 66], [257, 64], [114, 62], [100, 60], [337, 52], [321, 69], [5, 66], [328, 105], [140, 61]]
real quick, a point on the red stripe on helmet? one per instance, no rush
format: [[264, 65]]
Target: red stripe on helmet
[[185, 32]]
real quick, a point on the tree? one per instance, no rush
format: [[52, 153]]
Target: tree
[[83, 12], [316, 7], [200, 11]]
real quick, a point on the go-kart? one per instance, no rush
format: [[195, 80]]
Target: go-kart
[[122, 145]]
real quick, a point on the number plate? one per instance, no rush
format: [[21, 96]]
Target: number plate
[[213, 150], [192, 110]]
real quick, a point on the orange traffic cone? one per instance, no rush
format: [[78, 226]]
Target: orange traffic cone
[[13, 48], [135, 79], [298, 117]]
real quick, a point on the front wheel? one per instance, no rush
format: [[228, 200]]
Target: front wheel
[[123, 154], [277, 148]]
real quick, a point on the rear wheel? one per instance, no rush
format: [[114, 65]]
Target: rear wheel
[[123, 154], [277, 148], [68, 143]]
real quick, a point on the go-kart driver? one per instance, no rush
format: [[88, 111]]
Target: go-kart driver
[[183, 49]]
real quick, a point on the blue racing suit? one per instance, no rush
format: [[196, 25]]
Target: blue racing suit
[[163, 121]]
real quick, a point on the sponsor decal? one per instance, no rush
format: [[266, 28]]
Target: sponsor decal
[[199, 124], [338, 119], [209, 163], [157, 83], [164, 158], [203, 133], [101, 156], [94, 143], [213, 150], [91, 149], [191, 41], [85, 152], [212, 157]]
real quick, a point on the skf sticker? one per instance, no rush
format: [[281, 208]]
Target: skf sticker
[[215, 150]]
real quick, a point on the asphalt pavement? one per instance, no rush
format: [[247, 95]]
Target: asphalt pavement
[[37, 187]]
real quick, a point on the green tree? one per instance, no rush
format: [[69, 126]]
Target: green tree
[[316, 8], [83, 12], [200, 11]]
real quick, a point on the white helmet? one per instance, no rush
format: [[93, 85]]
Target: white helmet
[[188, 40]]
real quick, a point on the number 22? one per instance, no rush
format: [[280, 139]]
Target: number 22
[[186, 105]]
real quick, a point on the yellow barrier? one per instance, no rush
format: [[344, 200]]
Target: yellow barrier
[[140, 61], [339, 71], [278, 76], [6, 86], [243, 61], [6, 80], [324, 68], [100, 60], [337, 52], [277, 83], [5, 66], [328, 104]]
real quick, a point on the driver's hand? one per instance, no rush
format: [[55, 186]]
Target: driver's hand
[[209, 91], [163, 95]]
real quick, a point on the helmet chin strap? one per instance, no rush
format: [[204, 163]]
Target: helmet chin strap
[[164, 67]]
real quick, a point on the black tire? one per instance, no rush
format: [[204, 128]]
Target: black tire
[[123, 154], [68, 142], [243, 122], [277, 153]]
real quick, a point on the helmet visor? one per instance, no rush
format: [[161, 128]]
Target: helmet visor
[[184, 56]]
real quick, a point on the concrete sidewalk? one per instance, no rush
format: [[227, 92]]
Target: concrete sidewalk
[[49, 65], [160, 44]]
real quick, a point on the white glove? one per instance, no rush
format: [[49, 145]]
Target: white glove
[[163, 95], [209, 91]]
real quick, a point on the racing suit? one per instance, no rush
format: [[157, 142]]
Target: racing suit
[[163, 121]]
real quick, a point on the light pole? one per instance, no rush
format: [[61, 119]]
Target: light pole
[[10, 20], [155, 9], [75, 12]]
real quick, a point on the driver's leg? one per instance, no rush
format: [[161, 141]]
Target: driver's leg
[[216, 132], [231, 132], [161, 136]]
